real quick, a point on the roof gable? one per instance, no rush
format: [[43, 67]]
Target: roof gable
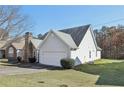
[[66, 38], [36, 42], [2, 45], [77, 33], [94, 39], [18, 45]]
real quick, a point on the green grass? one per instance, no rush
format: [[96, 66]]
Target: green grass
[[103, 73], [55, 78], [3, 61], [106, 61], [111, 72]]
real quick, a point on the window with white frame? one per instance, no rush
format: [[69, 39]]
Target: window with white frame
[[89, 54], [11, 52], [96, 53]]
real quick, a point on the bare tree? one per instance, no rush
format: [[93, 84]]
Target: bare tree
[[12, 22]]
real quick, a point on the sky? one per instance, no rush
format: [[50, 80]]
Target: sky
[[58, 17]]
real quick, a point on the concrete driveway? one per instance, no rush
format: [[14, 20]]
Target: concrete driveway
[[14, 69]]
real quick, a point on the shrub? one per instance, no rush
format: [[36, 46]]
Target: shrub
[[12, 60], [67, 63], [32, 60], [19, 59]]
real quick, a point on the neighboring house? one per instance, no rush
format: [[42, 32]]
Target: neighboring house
[[2, 49], [25, 47], [31, 48], [15, 49], [35, 43], [78, 43]]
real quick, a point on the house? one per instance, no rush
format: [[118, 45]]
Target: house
[[25, 46], [15, 49], [31, 48], [78, 43], [2, 49]]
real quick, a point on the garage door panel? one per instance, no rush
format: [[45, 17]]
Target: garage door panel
[[53, 58]]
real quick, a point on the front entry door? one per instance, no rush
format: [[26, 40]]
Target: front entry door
[[11, 52], [12, 55]]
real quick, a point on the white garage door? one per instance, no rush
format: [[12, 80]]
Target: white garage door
[[53, 58]]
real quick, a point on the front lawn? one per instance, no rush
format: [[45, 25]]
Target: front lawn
[[106, 61], [111, 72], [103, 73], [54, 78]]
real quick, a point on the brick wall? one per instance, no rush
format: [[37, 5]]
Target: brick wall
[[28, 48]]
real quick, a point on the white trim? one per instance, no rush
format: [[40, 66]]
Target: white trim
[[45, 39], [93, 36], [61, 39], [49, 33]]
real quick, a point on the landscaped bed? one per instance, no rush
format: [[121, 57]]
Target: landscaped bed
[[102, 73]]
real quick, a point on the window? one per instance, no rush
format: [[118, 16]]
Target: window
[[34, 53], [89, 54], [96, 53], [19, 53], [11, 50]]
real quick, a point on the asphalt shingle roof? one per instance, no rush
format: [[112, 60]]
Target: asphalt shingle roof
[[36, 42], [2, 45], [19, 45], [77, 33]]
